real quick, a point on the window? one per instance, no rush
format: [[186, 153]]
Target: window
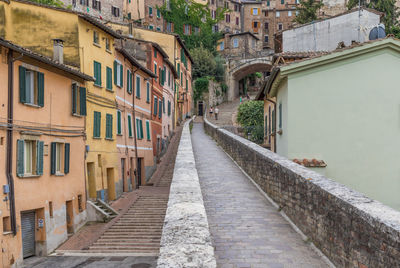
[[51, 209], [266, 26], [147, 92], [235, 43], [282, 2], [109, 78], [158, 29], [221, 45], [155, 105], [108, 44], [115, 11], [109, 124], [29, 158], [137, 86], [159, 108], [130, 134], [151, 27], [158, 13], [96, 5], [268, 3], [6, 224], [226, 5], [155, 71], [139, 128], [118, 74], [169, 27], [155, 53], [266, 39], [289, 13], [280, 115], [266, 126], [213, 14], [237, 20], [255, 26], [169, 108], [97, 73], [273, 121], [278, 14], [96, 124], [78, 100], [163, 105], [297, 12], [80, 202], [31, 87], [119, 123], [280, 26], [59, 158], [196, 30], [255, 11], [235, 7], [186, 29], [227, 17], [148, 130], [84, 2], [150, 12], [215, 28], [96, 38], [129, 81], [212, 2]]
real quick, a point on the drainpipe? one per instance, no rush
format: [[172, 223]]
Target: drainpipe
[[134, 128], [9, 152]]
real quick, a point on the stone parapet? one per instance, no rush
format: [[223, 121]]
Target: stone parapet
[[186, 240], [351, 229]]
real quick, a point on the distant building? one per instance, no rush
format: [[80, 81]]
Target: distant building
[[103, 10], [325, 35], [238, 44], [338, 113]]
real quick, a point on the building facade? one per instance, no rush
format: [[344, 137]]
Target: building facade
[[102, 10], [43, 190]]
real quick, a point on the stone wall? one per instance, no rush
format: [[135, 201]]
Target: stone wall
[[348, 227], [186, 240]]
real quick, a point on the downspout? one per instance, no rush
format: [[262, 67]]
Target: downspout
[[134, 128], [9, 152]]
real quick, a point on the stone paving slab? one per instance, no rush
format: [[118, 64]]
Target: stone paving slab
[[247, 231]]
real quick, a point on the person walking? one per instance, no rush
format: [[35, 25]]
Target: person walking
[[211, 111], [216, 111]]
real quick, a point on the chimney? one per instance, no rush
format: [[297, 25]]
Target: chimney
[[58, 50]]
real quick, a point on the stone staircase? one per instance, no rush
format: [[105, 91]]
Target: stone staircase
[[138, 230], [100, 211]]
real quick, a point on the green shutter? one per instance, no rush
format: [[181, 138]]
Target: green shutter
[[155, 106], [150, 11], [138, 86], [109, 119], [119, 130], [148, 92], [159, 108], [96, 124], [109, 78], [169, 108], [179, 68], [163, 105], [137, 128], [164, 75], [82, 100], [273, 121], [66, 158], [115, 72], [122, 75], [148, 130], [129, 125], [141, 129], [155, 53], [97, 73], [22, 84], [20, 158], [39, 157], [40, 80], [74, 97], [53, 158]]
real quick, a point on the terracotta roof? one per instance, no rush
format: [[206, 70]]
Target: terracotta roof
[[44, 59], [310, 162], [134, 62], [243, 33], [100, 25]]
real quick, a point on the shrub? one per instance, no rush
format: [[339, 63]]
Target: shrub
[[250, 117]]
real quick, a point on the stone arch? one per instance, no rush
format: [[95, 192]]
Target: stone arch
[[240, 69]]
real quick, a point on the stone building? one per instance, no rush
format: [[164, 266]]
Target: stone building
[[146, 13], [232, 22], [238, 45], [110, 10]]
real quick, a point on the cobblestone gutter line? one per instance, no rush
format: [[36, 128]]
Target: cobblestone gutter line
[[186, 240], [351, 229]]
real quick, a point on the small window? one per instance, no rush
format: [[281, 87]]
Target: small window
[[150, 12], [266, 39], [109, 124], [59, 158], [96, 38], [289, 13], [280, 26], [108, 44], [138, 84], [278, 14], [268, 3], [155, 53], [96, 5], [119, 123], [109, 78], [282, 2], [31, 87], [80, 203], [158, 29], [255, 11], [139, 128], [51, 209], [130, 134], [169, 108], [129, 15], [155, 71], [235, 43], [155, 105], [237, 20], [118, 74], [280, 115], [151, 27], [148, 133], [78, 100], [97, 73], [6, 224], [158, 13], [221, 45], [266, 26], [147, 92], [96, 124], [115, 11], [29, 158]]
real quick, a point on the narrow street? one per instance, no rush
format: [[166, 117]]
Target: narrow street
[[247, 231]]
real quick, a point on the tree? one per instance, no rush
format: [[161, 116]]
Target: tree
[[250, 117], [200, 86], [197, 18], [204, 62], [388, 7], [307, 11], [54, 3]]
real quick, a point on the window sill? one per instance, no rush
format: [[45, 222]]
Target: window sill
[[7, 232], [119, 134], [96, 138], [98, 86], [78, 115], [30, 176], [32, 105], [140, 98], [59, 174], [131, 137], [97, 45], [109, 139], [108, 51], [109, 90]]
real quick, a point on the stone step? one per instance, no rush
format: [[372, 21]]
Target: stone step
[[147, 250], [125, 244], [127, 240], [130, 237], [136, 232], [124, 248]]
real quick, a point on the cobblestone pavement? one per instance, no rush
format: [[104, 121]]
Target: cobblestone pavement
[[247, 231], [90, 262]]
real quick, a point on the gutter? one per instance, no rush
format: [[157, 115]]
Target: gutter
[[134, 127], [9, 150]]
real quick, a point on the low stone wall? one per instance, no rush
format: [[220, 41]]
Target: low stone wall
[[186, 240], [351, 229]]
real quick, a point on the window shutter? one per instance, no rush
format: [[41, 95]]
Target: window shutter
[[22, 84], [109, 119], [137, 128], [96, 124], [115, 72], [138, 86], [20, 158], [159, 108], [169, 108], [119, 122], [82, 100], [163, 105], [273, 121], [121, 78], [155, 106], [148, 92], [39, 157], [129, 125], [40, 79], [109, 78], [66, 158], [148, 130], [141, 129], [74, 97], [53, 158]]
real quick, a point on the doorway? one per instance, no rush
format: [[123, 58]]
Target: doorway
[[28, 220], [125, 183], [139, 171], [110, 184], [200, 108], [70, 216], [91, 180], [131, 174]]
